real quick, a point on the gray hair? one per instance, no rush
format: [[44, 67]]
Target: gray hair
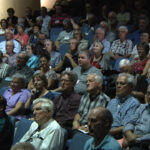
[[72, 76], [101, 29], [87, 52], [124, 62], [98, 78], [22, 79], [130, 79], [123, 27], [46, 104], [26, 55], [23, 146], [99, 42]]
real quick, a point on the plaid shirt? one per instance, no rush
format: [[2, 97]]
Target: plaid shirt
[[88, 102], [122, 48]]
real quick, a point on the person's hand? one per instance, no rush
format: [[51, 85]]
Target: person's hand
[[85, 128], [125, 143], [132, 139], [68, 55], [33, 92]]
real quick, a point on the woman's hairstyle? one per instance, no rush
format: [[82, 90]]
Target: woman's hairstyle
[[42, 77], [4, 21], [46, 55], [144, 45], [32, 47]]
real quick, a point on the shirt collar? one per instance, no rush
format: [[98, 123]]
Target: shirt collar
[[46, 124], [123, 99]]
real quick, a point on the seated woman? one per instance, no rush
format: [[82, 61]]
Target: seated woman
[[99, 60], [33, 61], [45, 69], [3, 27], [55, 56], [16, 96], [21, 36], [40, 83], [140, 62]]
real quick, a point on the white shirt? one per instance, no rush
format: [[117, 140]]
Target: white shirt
[[17, 46], [50, 137]]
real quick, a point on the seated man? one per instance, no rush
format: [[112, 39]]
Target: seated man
[[20, 67], [94, 97], [124, 105], [138, 129], [6, 128], [85, 67], [45, 132], [99, 123], [66, 104]]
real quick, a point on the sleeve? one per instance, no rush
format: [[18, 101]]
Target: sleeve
[[130, 47], [57, 60], [17, 48], [106, 46], [24, 97]]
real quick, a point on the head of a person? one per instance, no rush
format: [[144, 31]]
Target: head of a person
[[9, 47], [3, 104], [28, 11], [88, 7], [42, 37], [67, 24], [21, 21], [45, 60], [39, 81], [145, 36], [8, 34], [68, 80], [73, 45], [97, 48], [143, 50], [43, 11], [58, 9], [42, 110], [49, 45], [104, 25], [4, 23], [84, 59], [124, 85], [94, 83], [99, 121], [143, 23], [23, 146], [36, 29], [91, 19], [77, 33], [29, 49], [112, 18], [39, 21], [10, 12], [18, 82], [20, 28], [122, 31], [22, 59], [100, 34], [125, 66]]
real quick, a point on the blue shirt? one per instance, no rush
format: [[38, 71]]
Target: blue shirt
[[122, 109], [33, 61], [140, 122], [108, 143]]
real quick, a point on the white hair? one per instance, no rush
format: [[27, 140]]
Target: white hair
[[123, 27], [98, 78], [100, 29], [124, 62], [46, 104], [130, 79]]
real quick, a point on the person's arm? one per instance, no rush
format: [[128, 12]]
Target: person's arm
[[147, 66], [15, 110], [30, 85], [139, 95], [75, 25], [76, 124], [116, 131], [58, 68], [73, 63], [51, 84]]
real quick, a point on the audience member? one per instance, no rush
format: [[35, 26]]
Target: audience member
[[45, 132], [33, 61], [16, 96], [121, 47], [9, 36], [137, 128], [95, 97], [10, 56], [99, 123], [55, 56], [11, 16], [6, 130], [4, 25], [3, 67], [23, 146], [67, 103], [85, 67], [124, 105]]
